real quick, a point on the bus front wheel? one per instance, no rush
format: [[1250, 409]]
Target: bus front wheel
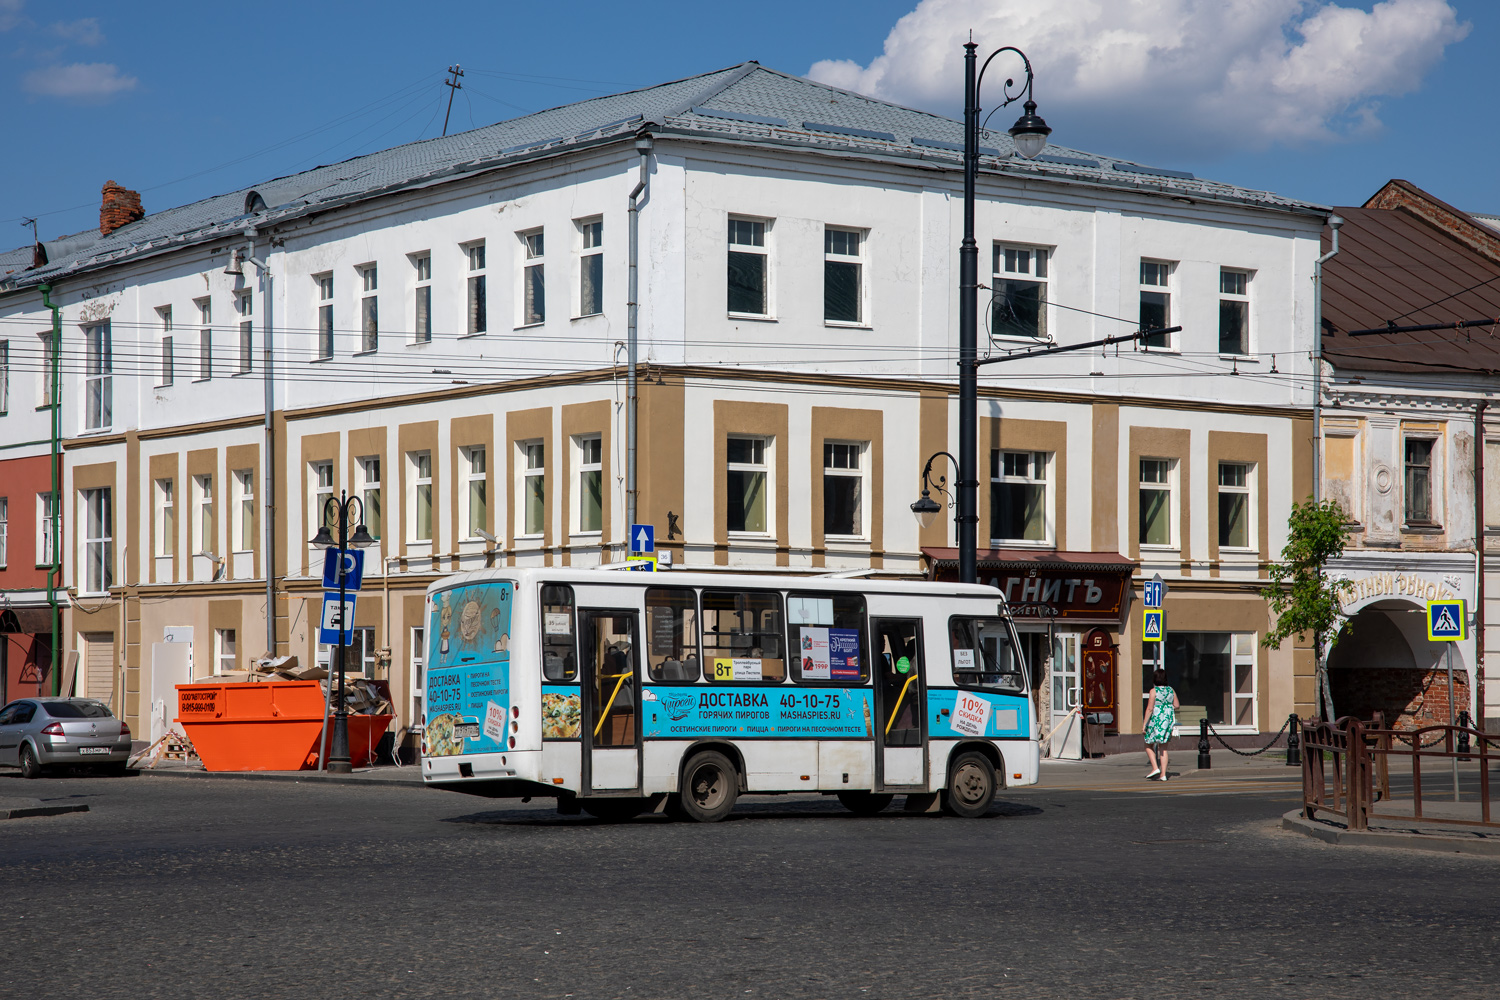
[[971, 787], [865, 803], [710, 786]]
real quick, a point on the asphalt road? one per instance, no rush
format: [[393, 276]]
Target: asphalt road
[[216, 888]]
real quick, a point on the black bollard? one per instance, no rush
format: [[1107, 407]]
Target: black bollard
[[1294, 742], [1463, 735], [1204, 763]]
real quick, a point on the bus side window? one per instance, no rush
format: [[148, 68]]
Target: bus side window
[[672, 635], [559, 634], [826, 634], [983, 656], [742, 637]]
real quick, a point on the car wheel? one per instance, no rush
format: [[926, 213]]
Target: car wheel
[[614, 810], [30, 766], [865, 803], [710, 786], [971, 786]]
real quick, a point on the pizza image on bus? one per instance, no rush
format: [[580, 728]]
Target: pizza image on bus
[[440, 738], [561, 716]]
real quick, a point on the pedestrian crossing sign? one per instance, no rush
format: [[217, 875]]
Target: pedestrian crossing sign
[[1152, 626], [1447, 621]]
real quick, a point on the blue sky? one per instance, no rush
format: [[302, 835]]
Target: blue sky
[[1307, 98]]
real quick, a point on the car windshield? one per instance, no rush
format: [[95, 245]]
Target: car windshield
[[76, 710]]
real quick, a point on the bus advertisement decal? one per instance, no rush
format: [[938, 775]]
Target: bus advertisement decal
[[467, 692], [975, 713], [562, 712], [757, 712]]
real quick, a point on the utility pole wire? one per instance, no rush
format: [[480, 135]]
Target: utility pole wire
[[452, 85]]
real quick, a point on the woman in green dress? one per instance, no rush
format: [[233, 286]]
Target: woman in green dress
[[1161, 724]]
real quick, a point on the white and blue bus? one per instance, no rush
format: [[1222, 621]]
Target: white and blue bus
[[621, 692]]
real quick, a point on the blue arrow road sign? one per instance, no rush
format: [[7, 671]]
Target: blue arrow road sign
[[643, 538], [1447, 621], [349, 562], [1155, 591], [337, 626]]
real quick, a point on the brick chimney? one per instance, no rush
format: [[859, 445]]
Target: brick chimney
[[119, 207]]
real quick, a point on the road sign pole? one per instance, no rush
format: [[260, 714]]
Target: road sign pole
[[1449, 658], [338, 754]]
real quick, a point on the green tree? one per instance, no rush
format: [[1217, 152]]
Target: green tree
[[1301, 598]]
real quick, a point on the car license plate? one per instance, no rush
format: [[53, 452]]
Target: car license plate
[[93, 749]]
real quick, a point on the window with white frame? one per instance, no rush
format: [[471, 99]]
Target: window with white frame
[[369, 493], [1156, 301], [203, 516], [167, 366], [244, 305], [319, 516], [1418, 505], [98, 541], [4, 376], [589, 450], [418, 661], [369, 309], [747, 483], [591, 267], [1213, 675], [843, 488], [4, 531], [49, 354], [532, 510], [324, 348], [242, 535], [98, 376], [1019, 504], [1019, 292], [749, 268], [1156, 475], [46, 526], [843, 276], [359, 655], [1236, 480], [533, 278], [226, 658], [422, 297], [473, 500], [166, 518], [205, 339], [419, 525], [478, 302], [1234, 312]]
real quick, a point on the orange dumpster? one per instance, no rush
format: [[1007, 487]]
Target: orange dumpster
[[271, 726]]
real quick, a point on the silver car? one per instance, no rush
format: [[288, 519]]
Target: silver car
[[36, 733]]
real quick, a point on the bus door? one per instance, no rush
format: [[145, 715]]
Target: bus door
[[611, 700], [900, 699]]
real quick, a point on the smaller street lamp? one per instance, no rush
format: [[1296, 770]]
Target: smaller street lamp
[[339, 508], [927, 509]]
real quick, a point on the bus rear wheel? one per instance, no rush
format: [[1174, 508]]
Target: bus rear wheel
[[971, 786], [865, 803], [614, 810], [710, 786]]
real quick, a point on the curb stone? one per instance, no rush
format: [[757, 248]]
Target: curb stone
[[310, 777], [1444, 843]]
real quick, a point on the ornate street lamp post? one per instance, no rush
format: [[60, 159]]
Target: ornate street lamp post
[[339, 508]]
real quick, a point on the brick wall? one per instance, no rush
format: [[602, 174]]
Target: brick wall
[[118, 207], [1409, 698]]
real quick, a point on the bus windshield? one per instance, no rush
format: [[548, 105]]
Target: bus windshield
[[984, 656]]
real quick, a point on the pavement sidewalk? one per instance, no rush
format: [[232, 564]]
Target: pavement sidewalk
[[409, 776]]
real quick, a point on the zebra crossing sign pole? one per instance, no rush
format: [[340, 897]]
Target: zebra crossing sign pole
[[1448, 621]]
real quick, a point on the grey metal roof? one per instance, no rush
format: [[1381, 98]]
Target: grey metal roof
[[745, 103]]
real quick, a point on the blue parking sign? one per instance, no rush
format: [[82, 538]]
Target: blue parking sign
[[348, 563]]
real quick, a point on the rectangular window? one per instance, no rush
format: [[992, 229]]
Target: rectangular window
[[1018, 495], [166, 518], [1234, 312], [46, 521], [478, 310], [320, 516], [1213, 674], [590, 483], [359, 655], [203, 515], [533, 279], [1156, 302], [325, 316], [166, 361], [98, 377], [1418, 507], [4, 530], [369, 493], [369, 310], [843, 277], [226, 659], [422, 320], [49, 353], [1156, 501], [1019, 293], [843, 482], [826, 636], [748, 284], [243, 534], [205, 339], [98, 541], [533, 488], [591, 268], [1234, 505], [672, 629], [421, 477], [559, 658], [4, 376], [418, 661], [746, 484], [983, 655], [743, 632], [244, 304], [475, 500]]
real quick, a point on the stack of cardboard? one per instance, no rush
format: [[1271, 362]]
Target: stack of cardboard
[[285, 668], [363, 696]]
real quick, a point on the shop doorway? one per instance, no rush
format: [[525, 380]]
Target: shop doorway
[[1065, 677], [611, 696]]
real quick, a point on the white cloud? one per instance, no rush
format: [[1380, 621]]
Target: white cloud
[[10, 13], [1170, 76], [79, 81], [84, 31]]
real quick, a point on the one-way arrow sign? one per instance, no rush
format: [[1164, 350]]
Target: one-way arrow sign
[[642, 538]]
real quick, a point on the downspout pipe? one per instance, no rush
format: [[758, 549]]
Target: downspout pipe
[[268, 475], [54, 567], [1479, 518], [1334, 222], [643, 148]]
